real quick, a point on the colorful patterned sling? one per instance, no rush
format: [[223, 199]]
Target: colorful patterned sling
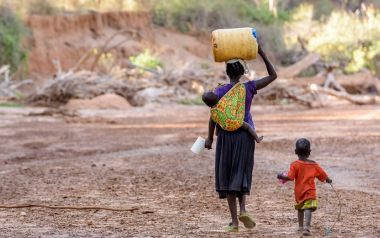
[[229, 112]]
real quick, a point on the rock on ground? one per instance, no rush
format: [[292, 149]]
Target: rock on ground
[[105, 101]]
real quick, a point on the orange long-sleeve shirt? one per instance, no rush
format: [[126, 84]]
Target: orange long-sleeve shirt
[[304, 174]]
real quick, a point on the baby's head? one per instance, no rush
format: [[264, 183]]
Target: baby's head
[[303, 147], [210, 98]]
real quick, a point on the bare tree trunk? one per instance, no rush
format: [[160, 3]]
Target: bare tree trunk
[[273, 7]]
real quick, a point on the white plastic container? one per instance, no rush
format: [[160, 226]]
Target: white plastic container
[[198, 146]]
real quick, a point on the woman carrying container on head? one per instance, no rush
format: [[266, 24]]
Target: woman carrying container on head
[[234, 156]]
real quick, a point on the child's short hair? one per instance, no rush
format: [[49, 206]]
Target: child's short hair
[[210, 98], [303, 147]]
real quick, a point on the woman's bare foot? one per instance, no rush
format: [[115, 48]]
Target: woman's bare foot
[[258, 140]]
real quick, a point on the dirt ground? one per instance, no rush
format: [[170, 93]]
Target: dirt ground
[[140, 158]]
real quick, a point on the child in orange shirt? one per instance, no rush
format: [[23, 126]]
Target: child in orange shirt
[[304, 171]]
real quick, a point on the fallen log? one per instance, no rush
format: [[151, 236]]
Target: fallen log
[[10, 89], [298, 67], [361, 82], [355, 99]]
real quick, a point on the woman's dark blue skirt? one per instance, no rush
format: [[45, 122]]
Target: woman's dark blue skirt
[[234, 159]]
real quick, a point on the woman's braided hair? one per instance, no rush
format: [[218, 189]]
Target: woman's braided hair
[[234, 70]]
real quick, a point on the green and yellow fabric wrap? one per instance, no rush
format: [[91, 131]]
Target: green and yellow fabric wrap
[[229, 112]]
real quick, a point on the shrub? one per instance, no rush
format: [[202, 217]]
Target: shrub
[[272, 39], [208, 14], [262, 14], [11, 33], [146, 60], [344, 37], [350, 39], [186, 15], [322, 9], [43, 7]]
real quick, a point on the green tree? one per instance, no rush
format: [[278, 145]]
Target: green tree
[[12, 32]]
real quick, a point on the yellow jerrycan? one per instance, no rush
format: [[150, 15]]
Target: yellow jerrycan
[[236, 43]]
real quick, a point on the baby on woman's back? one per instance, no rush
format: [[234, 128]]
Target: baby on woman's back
[[211, 100]]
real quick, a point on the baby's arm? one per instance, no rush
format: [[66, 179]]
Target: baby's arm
[[210, 138], [251, 131]]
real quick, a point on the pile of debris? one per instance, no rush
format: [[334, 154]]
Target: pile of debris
[[80, 85], [138, 88], [328, 87], [175, 86]]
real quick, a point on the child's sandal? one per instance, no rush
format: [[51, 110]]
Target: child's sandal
[[247, 220], [231, 228]]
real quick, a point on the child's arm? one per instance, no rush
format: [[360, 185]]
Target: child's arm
[[251, 131], [210, 138], [283, 177], [290, 175], [322, 175]]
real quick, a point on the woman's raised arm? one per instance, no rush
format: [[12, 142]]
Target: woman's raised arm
[[263, 82]]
